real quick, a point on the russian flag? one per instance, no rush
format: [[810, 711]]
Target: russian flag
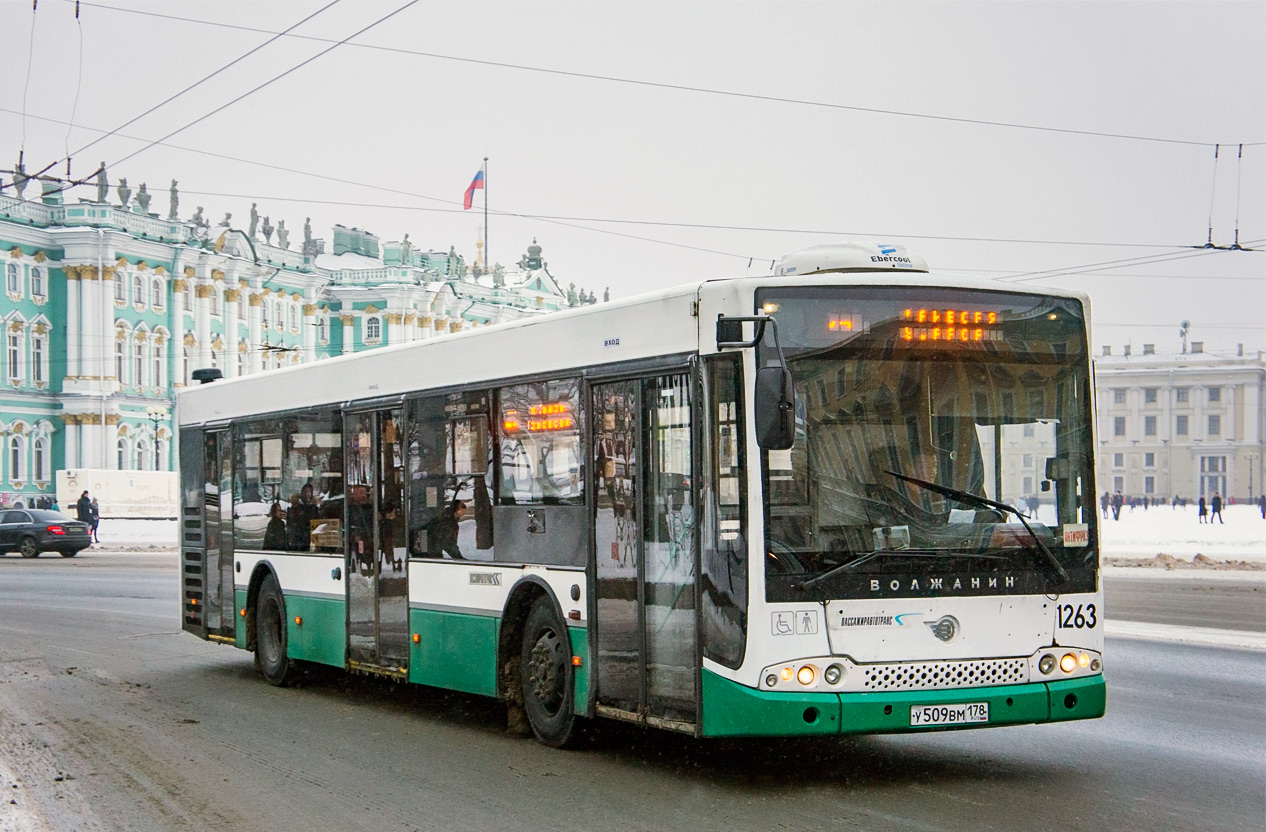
[[476, 184]]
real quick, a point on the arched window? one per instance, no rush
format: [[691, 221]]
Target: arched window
[[142, 455], [15, 459], [156, 296], [159, 378], [13, 354], [120, 363], [122, 447], [37, 282], [323, 331], [12, 282], [294, 316], [39, 355], [279, 315], [120, 288], [163, 463], [138, 290], [189, 296], [263, 314], [138, 363], [41, 459], [215, 358], [241, 363], [373, 329], [184, 365]]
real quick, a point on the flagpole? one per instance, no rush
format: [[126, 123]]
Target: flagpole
[[487, 259]]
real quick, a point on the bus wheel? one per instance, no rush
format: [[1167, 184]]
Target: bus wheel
[[547, 676], [270, 636]]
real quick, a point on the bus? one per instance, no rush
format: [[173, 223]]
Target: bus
[[853, 496]]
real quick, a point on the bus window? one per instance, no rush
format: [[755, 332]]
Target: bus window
[[723, 495], [540, 446]]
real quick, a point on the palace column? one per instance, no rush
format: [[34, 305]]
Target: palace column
[[411, 326], [349, 342], [179, 287], [395, 322], [202, 325], [230, 332], [72, 322], [254, 337], [309, 332]]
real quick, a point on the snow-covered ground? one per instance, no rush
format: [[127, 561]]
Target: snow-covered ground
[[1179, 533], [1138, 534]]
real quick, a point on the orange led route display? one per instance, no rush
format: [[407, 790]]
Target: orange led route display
[[950, 325], [541, 417]]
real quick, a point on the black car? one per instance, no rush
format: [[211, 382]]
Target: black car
[[31, 531]]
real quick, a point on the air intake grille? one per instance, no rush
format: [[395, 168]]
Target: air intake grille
[[939, 675]]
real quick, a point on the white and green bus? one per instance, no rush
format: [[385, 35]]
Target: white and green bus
[[854, 497]]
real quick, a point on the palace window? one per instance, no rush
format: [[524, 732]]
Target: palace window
[[120, 289], [13, 281], [42, 462], [138, 291], [373, 329], [39, 355], [37, 282], [156, 293], [16, 459], [13, 342], [1215, 395], [138, 363]]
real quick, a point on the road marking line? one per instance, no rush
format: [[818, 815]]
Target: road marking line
[[1212, 637]]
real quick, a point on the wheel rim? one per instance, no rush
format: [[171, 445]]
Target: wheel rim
[[547, 671], [270, 632], [28, 547]]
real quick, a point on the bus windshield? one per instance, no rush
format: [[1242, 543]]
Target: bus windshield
[[906, 394]]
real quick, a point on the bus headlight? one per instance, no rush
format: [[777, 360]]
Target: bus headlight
[[1046, 664], [1068, 663], [833, 674], [806, 675]]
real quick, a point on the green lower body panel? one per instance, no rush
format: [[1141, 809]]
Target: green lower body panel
[[734, 710], [580, 648], [239, 604], [454, 650], [321, 634]]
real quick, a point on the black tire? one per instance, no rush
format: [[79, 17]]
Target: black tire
[[271, 660], [548, 683], [69, 554], [28, 548]]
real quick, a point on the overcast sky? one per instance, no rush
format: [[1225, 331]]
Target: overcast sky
[[407, 132]]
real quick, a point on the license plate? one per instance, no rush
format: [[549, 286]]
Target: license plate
[[961, 714]]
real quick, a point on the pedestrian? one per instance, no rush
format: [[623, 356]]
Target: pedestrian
[[83, 509], [96, 520], [1117, 501], [1104, 502], [1217, 508], [1203, 511], [1261, 504]]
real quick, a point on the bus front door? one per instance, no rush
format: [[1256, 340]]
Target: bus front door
[[376, 559], [645, 553]]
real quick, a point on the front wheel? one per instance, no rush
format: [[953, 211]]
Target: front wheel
[[28, 548], [547, 677], [270, 636]]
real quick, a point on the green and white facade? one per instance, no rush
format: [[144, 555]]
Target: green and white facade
[[107, 310]]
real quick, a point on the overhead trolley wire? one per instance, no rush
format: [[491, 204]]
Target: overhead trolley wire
[[688, 88]]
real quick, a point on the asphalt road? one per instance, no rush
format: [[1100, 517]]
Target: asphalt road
[[111, 719]]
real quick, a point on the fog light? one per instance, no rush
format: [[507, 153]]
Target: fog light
[[1069, 663], [771, 680], [805, 675], [1083, 660], [833, 674], [1047, 663], [786, 674], [1095, 665]]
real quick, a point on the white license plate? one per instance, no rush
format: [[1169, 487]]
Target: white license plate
[[961, 714]]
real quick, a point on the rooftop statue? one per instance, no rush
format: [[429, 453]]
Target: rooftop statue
[[283, 234], [267, 228], [20, 178], [254, 221], [142, 199], [103, 184], [175, 202], [197, 219], [124, 192], [227, 221]]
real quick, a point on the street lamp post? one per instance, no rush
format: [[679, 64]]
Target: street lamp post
[[156, 414]]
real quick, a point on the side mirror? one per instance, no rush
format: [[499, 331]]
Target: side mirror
[[775, 408]]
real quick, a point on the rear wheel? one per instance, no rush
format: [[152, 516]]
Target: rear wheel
[[70, 554], [28, 548], [547, 677], [270, 636]]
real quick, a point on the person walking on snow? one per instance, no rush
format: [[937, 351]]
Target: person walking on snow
[[1217, 508], [1203, 510]]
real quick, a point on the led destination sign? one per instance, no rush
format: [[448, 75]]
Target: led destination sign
[[945, 325], [541, 417]]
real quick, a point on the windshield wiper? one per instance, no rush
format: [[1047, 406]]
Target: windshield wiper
[[984, 502], [902, 553]]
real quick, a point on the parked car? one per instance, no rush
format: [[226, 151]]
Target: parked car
[[31, 531]]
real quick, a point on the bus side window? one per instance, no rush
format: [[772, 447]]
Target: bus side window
[[724, 496]]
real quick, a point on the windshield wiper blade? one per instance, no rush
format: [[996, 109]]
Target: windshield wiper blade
[[985, 502], [904, 553]]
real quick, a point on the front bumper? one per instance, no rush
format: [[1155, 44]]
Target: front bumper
[[734, 710]]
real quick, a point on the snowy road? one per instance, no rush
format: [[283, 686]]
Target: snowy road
[[109, 720]]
